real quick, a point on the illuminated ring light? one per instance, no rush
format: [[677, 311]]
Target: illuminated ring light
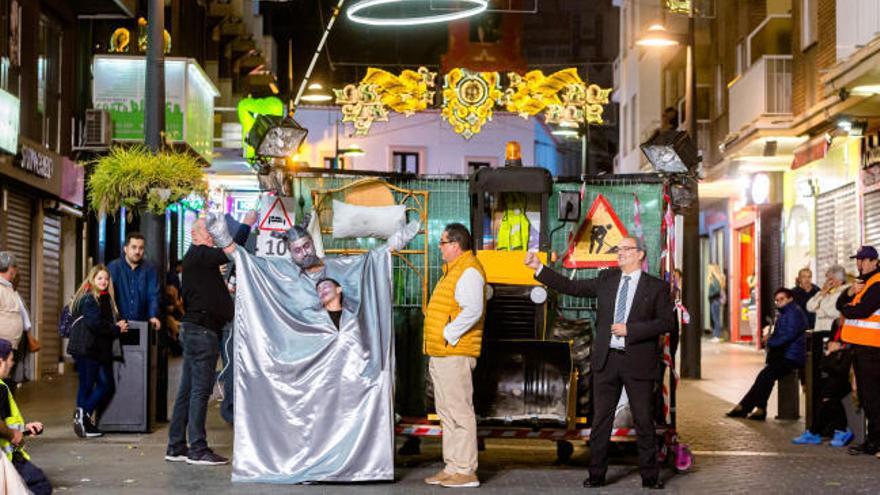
[[477, 6]]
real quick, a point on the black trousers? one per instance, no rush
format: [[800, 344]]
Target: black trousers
[[832, 388], [866, 361], [607, 385], [759, 394]]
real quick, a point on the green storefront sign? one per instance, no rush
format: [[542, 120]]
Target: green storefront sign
[[119, 87]]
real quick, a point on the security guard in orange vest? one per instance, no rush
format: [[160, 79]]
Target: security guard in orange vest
[[453, 336], [13, 429], [860, 307]]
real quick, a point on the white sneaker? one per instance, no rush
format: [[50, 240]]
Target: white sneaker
[[715, 340]]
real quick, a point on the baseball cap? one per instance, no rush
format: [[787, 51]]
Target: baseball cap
[[865, 253]]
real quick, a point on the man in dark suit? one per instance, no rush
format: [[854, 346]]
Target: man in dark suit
[[634, 310]]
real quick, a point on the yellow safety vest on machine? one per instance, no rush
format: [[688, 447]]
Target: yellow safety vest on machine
[[14, 422], [865, 331], [513, 233], [442, 309]]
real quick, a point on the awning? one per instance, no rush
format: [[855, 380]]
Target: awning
[[814, 149]]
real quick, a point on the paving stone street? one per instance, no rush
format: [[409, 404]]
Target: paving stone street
[[732, 456]]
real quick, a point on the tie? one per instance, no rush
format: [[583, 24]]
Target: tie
[[620, 312]]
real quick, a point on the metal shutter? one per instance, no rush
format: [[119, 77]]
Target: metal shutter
[[772, 262], [19, 239], [836, 229], [50, 296], [872, 218]]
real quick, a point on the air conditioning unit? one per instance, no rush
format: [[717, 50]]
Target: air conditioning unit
[[99, 128]]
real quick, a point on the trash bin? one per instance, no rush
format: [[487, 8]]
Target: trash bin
[[131, 409]]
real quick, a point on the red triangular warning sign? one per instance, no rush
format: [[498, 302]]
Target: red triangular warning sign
[[595, 244], [276, 218]]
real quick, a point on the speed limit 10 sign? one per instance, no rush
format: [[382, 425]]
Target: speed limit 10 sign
[[276, 217]]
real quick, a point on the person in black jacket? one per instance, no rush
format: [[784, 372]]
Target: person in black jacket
[[95, 303], [634, 309], [786, 352], [208, 307]]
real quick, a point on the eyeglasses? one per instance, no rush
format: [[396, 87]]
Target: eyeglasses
[[627, 248], [304, 248], [445, 242]]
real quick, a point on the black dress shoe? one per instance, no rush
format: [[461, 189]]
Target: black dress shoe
[[594, 481], [737, 412], [758, 415], [863, 448], [653, 484]]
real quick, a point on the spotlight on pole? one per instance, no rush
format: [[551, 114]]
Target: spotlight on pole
[[671, 152], [276, 137]]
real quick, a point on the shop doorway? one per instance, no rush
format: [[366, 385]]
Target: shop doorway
[[744, 314]]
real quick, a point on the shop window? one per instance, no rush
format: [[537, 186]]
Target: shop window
[[405, 162], [48, 82]]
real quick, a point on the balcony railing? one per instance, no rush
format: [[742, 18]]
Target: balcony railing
[[764, 90]]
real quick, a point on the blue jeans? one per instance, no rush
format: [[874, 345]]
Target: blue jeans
[[95, 383], [200, 349], [33, 476], [228, 374], [715, 316]]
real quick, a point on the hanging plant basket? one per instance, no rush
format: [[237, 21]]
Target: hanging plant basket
[[136, 179]]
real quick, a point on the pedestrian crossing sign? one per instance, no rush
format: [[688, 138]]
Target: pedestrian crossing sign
[[594, 245]]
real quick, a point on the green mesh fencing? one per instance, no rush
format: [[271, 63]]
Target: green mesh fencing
[[448, 201], [621, 193]]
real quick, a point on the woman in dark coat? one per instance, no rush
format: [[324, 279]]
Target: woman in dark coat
[[95, 304], [786, 352]]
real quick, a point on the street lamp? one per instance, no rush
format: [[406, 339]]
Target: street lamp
[[657, 36], [690, 340]]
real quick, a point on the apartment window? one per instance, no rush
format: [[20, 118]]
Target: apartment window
[[473, 166], [49, 82], [720, 87], [742, 62], [625, 26], [633, 113], [809, 22], [405, 162], [624, 135], [330, 162]]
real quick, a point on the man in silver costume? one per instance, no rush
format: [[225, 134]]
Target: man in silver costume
[[313, 402]]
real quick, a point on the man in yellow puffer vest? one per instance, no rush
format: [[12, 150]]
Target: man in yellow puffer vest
[[13, 428], [453, 336]]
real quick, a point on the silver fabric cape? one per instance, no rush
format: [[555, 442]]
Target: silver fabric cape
[[312, 403]]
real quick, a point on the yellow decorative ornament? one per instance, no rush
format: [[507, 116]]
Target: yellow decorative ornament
[[468, 98], [408, 93], [119, 40], [678, 6], [580, 104], [380, 90], [530, 94], [361, 106]]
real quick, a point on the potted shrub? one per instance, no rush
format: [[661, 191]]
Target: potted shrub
[[134, 178]]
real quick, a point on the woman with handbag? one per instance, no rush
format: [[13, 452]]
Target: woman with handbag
[[92, 337]]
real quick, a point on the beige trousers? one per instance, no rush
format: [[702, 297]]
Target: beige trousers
[[454, 401]]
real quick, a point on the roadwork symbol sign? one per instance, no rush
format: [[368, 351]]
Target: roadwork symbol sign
[[595, 243], [276, 218]]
